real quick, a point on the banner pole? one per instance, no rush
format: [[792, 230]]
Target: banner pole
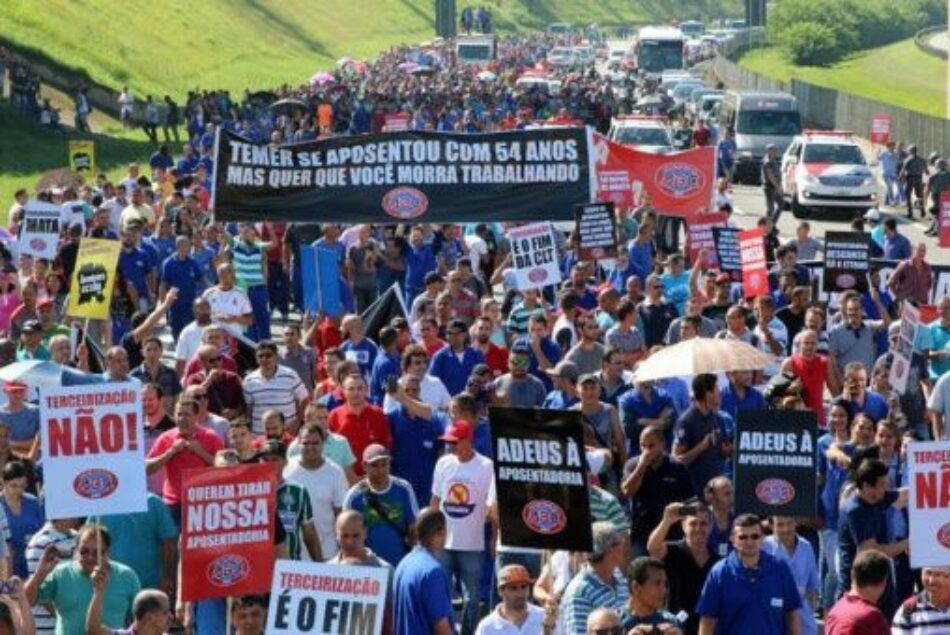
[[227, 616], [98, 522]]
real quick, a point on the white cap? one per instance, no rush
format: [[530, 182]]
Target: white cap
[[872, 215]]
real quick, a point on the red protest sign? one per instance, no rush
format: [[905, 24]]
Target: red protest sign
[[699, 235], [944, 219], [880, 128], [677, 183], [755, 276], [227, 530], [397, 122]]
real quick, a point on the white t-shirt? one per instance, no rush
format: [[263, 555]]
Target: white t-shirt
[[464, 491], [228, 303], [431, 390], [495, 624], [477, 247], [327, 488], [780, 333], [189, 341]]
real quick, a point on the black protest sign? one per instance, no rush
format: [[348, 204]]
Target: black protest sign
[[596, 231], [847, 261], [541, 478], [727, 249], [417, 176], [775, 462]]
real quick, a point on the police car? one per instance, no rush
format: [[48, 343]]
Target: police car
[[644, 132], [826, 169]]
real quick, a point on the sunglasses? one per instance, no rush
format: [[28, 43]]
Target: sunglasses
[[744, 537]]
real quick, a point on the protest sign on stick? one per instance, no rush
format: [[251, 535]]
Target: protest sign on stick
[[775, 469], [313, 598], [227, 530], [928, 504], [534, 256], [541, 478], [93, 450]]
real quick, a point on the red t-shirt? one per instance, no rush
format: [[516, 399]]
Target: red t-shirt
[[369, 426], [434, 348], [184, 460], [497, 359], [853, 615], [813, 374]]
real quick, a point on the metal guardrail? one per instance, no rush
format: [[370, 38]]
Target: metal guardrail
[[922, 40]]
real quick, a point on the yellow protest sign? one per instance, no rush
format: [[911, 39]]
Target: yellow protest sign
[[82, 155], [90, 292]]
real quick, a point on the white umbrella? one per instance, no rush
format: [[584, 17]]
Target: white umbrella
[[702, 355], [486, 76]]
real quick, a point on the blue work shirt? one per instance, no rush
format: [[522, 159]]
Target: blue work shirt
[[746, 600], [416, 448], [385, 366], [419, 261], [363, 353], [454, 372], [135, 266], [422, 595], [634, 405], [185, 275], [875, 406], [732, 403]]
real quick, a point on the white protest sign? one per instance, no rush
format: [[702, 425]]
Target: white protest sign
[[534, 256], [39, 231], [929, 503], [93, 450], [325, 599]]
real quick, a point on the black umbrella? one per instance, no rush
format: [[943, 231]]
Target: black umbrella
[[381, 312], [288, 106]]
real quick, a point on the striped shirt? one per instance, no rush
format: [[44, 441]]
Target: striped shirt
[[248, 264], [605, 506], [280, 392], [585, 593], [917, 616], [65, 543]]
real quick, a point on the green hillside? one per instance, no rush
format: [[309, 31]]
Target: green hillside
[[915, 80], [175, 46]]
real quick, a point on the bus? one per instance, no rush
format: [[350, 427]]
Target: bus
[[475, 49], [692, 28], [660, 48]]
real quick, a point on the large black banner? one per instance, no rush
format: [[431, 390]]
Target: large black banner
[[940, 288], [775, 468], [541, 478], [408, 176]]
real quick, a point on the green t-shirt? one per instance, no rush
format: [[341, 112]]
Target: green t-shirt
[[294, 510], [70, 591]]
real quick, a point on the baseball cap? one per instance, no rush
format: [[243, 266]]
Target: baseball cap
[[374, 452], [872, 215], [31, 326], [14, 385], [458, 431], [456, 326], [565, 369], [520, 348], [588, 378], [513, 574], [433, 276]]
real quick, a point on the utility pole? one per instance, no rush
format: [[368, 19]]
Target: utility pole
[[755, 12], [445, 18]]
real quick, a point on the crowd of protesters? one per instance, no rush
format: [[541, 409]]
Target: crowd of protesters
[[374, 433]]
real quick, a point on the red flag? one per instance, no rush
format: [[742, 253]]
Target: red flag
[[678, 183], [880, 128], [227, 530], [755, 276]]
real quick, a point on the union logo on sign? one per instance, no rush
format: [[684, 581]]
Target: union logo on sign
[[405, 203], [544, 517], [680, 180], [228, 570], [95, 483], [775, 491], [38, 244], [943, 536], [538, 275]]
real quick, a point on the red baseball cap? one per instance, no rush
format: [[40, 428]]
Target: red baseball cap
[[458, 431], [14, 385]]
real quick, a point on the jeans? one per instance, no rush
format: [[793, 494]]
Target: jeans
[[467, 567], [278, 287], [773, 203], [260, 329], [892, 190], [828, 567]]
